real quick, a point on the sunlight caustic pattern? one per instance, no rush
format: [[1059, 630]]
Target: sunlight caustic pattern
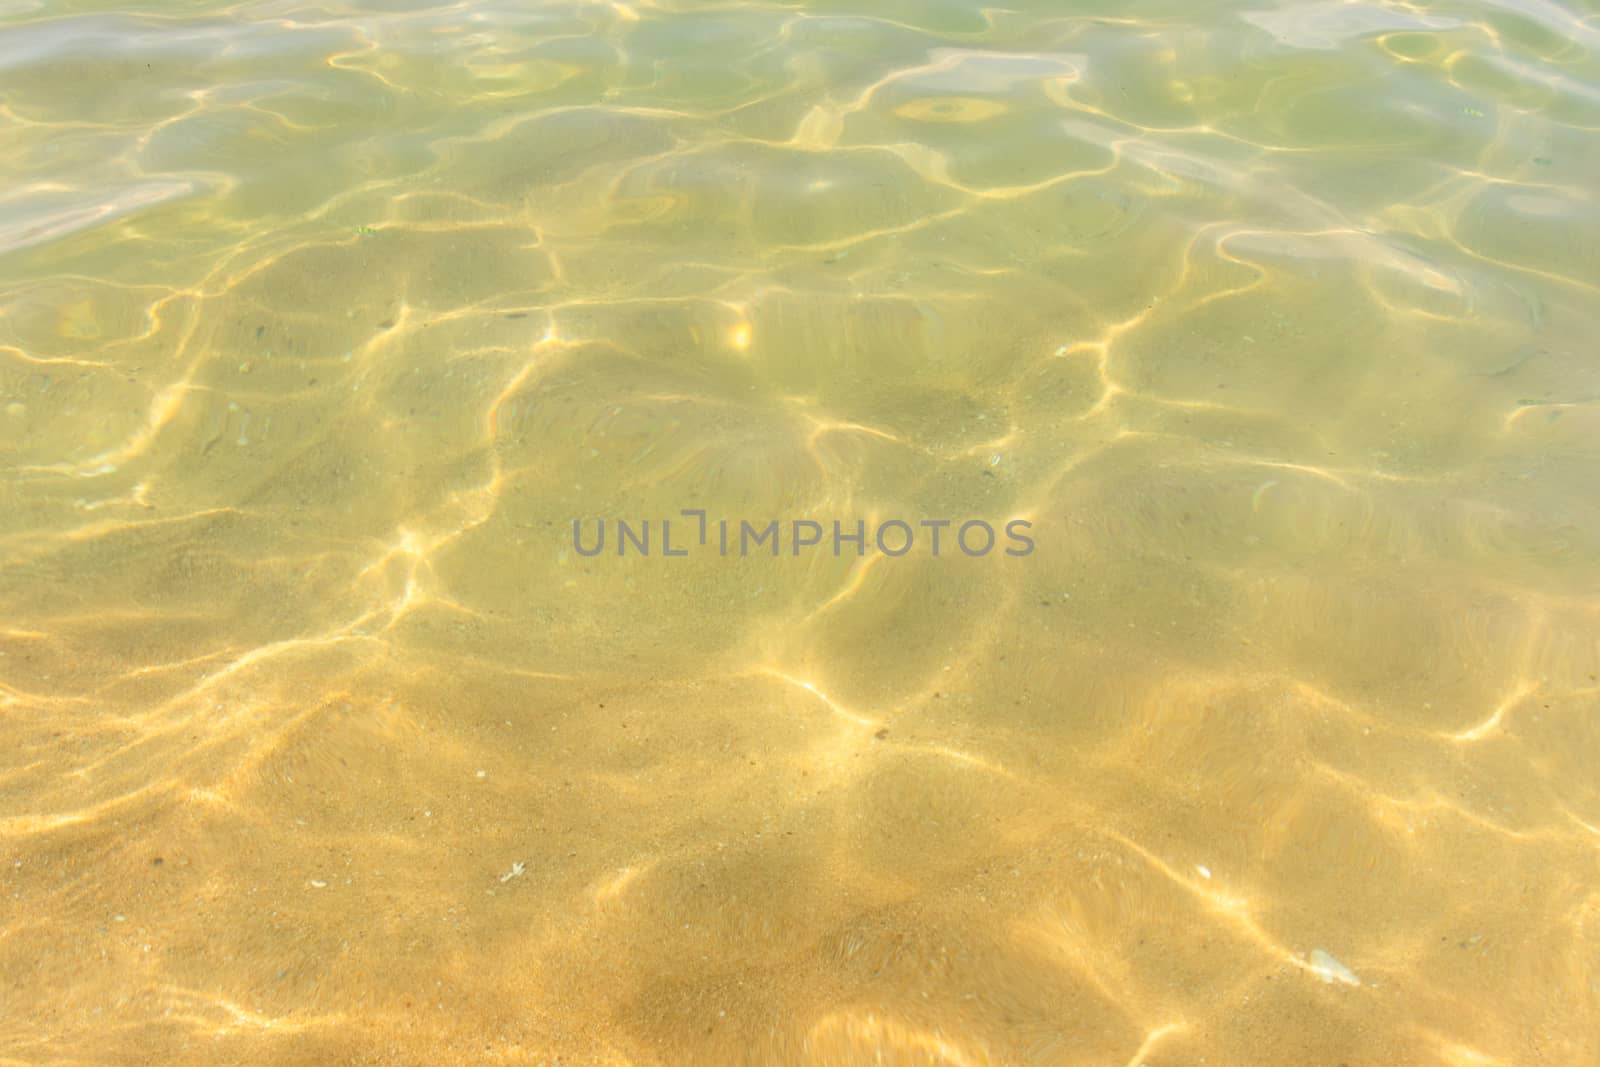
[[320, 325]]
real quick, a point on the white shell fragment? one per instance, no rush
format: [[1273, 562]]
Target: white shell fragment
[[1331, 970]]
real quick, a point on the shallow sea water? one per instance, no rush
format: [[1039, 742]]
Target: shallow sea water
[[321, 741]]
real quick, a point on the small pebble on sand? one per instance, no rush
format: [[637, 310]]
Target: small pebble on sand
[[1331, 970]]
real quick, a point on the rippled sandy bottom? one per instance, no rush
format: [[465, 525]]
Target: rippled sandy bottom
[[378, 855], [320, 742]]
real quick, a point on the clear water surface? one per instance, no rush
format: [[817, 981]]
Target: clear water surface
[[321, 742]]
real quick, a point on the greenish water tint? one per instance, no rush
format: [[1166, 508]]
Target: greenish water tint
[[321, 741]]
